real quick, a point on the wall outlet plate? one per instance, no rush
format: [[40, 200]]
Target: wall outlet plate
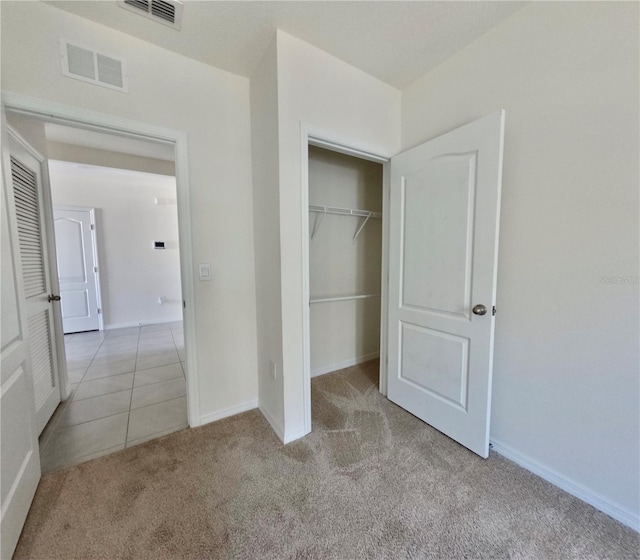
[[204, 271]]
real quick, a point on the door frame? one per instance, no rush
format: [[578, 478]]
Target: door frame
[[53, 112], [314, 136], [50, 249], [94, 248]]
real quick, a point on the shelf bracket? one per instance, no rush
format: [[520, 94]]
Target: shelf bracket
[[316, 222], [362, 227]]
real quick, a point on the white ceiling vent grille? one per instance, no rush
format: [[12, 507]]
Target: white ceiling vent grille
[[93, 67], [168, 12]]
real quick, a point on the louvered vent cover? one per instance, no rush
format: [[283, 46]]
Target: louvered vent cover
[[93, 67], [41, 356], [168, 12], [25, 189]]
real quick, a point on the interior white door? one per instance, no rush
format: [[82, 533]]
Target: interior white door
[[77, 268], [19, 457], [444, 216], [33, 250]]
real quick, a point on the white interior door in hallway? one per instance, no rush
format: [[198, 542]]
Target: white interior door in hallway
[[29, 206], [77, 268], [444, 216]]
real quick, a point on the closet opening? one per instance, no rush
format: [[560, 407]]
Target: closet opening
[[346, 258]]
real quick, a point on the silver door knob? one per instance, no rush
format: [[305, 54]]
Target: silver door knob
[[53, 297], [480, 309]]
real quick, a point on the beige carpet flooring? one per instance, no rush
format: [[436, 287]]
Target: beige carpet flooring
[[370, 482]]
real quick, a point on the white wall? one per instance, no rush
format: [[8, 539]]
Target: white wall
[[133, 275], [32, 132], [566, 394], [266, 218], [106, 158], [319, 90], [212, 107], [346, 332]]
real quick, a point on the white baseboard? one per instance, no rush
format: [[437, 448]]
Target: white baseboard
[[344, 364], [284, 437], [625, 516], [126, 325], [293, 435], [114, 326], [229, 411], [275, 425]]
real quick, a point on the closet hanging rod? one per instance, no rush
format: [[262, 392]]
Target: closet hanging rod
[[344, 211], [343, 298]]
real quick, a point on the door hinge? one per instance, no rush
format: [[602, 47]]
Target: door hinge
[[95, 269], [184, 304], [93, 226], [493, 310], [99, 311]]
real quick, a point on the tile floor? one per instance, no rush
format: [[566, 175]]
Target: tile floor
[[128, 387]]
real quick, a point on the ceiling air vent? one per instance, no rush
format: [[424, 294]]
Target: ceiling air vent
[[168, 12], [93, 67]]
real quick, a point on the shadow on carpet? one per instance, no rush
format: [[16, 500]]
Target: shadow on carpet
[[370, 482]]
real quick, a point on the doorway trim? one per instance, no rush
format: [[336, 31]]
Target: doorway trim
[[314, 136], [53, 112]]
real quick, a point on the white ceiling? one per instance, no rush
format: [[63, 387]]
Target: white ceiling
[[111, 142], [396, 41]]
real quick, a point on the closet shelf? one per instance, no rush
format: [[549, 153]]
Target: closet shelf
[[322, 210], [343, 298], [344, 211]]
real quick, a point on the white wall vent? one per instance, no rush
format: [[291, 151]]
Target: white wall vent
[[168, 12], [93, 67]]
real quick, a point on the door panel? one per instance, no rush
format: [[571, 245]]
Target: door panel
[[437, 275], [26, 177], [435, 362], [71, 262], [25, 189], [19, 457], [77, 265], [444, 212], [41, 351]]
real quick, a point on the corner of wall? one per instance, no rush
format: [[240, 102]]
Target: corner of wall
[[266, 218]]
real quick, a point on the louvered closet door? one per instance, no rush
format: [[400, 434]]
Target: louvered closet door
[[27, 195]]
